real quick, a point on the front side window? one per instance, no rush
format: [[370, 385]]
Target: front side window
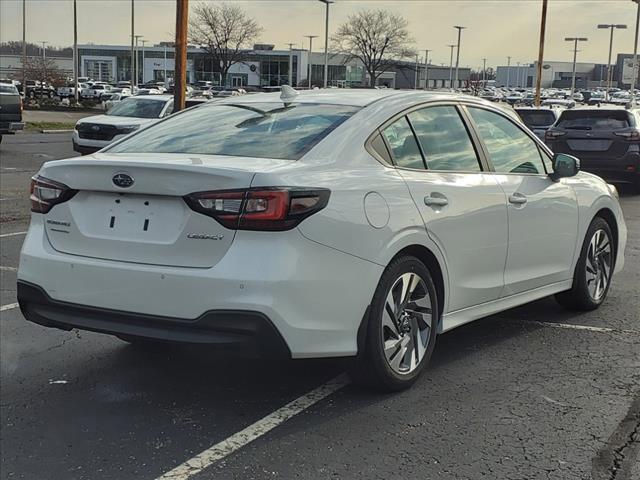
[[263, 130], [403, 145], [444, 139], [510, 149]]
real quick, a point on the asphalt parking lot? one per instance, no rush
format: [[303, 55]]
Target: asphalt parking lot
[[533, 393]]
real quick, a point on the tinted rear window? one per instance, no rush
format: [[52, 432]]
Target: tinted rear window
[[264, 130], [594, 120], [8, 89], [533, 118]]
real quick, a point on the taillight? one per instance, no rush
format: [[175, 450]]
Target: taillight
[[630, 135], [553, 134], [273, 209], [46, 193]]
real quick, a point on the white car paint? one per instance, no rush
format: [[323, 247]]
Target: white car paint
[[313, 282]]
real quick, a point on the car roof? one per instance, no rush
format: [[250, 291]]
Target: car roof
[[355, 97]]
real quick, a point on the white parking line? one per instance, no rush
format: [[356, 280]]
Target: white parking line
[[9, 306], [12, 234], [8, 269], [238, 440], [588, 328]]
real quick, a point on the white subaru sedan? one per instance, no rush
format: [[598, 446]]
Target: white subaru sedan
[[356, 223]]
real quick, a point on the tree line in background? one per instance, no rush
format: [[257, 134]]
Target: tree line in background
[[378, 38]]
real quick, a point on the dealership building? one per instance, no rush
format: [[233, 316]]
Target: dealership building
[[263, 66]]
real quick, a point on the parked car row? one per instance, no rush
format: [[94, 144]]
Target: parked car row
[[605, 139]]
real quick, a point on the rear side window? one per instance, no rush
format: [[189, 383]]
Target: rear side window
[[534, 118], [444, 139], [510, 149], [403, 145], [263, 130], [594, 120]]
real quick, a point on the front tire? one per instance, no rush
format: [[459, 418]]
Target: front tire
[[592, 276], [401, 328]]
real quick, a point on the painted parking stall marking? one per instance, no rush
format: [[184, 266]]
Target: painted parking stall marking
[[14, 234], [238, 440], [588, 328], [9, 306]]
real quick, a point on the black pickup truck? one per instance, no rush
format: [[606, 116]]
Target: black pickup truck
[[10, 109]]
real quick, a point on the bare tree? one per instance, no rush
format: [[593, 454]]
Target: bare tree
[[377, 37], [224, 31], [37, 68]]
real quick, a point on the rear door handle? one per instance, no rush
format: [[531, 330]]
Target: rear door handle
[[435, 201], [517, 199]]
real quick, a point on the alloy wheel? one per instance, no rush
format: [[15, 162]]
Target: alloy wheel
[[598, 264], [407, 323]]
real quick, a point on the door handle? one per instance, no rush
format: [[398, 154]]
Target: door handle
[[435, 201], [517, 199]]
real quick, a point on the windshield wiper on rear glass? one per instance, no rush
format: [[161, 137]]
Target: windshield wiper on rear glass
[[578, 127]]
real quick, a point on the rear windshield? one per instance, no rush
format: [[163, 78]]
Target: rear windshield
[[534, 118], [138, 107], [8, 89], [594, 120], [264, 130]]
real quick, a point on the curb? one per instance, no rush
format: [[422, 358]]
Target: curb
[[56, 131]]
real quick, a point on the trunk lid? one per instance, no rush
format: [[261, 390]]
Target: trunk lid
[[147, 222]]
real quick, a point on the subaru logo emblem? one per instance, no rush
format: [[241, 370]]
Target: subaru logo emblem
[[95, 128], [122, 180]]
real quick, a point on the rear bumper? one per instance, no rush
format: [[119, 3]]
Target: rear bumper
[[11, 127], [250, 333], [314, 296], [625, 168]]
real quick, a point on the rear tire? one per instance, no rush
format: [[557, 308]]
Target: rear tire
[[401, 328], [592, 276]]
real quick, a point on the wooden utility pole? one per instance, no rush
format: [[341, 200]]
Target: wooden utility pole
[[180, 69], [75, 52], [24, 48], [543, 26]]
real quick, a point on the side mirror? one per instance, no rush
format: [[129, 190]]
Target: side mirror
[[564, 166]]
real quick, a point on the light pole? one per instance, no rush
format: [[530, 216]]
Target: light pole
[[635, 57], [416, 78], [310, 37], [459, 28], [426, 69], [143, 44], [326, 40], [291, 63], [518, 75], [44, 60], [451, 66], [575, 41], [135, 63], [508, 71], [132, 68], [484, 72], [611, 26]]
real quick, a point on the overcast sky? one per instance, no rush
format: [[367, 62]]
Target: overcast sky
[[495, 28]]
